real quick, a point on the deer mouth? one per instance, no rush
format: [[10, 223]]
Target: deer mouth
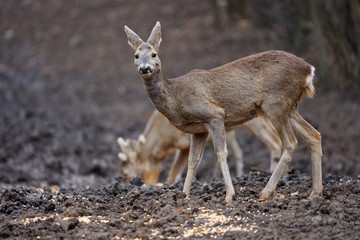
[[145, 70]]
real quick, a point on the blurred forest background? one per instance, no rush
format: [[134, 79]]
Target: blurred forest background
[[328, 29], [68, 87]]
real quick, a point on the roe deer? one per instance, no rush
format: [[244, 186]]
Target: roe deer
[[209, 102], [143, 157]]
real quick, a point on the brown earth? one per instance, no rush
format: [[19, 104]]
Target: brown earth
[[68, 89]]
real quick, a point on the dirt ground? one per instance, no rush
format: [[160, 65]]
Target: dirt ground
[[68, 89]]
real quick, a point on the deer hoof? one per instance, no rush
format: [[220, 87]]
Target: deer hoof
[[315, 194], [264, 195], [229, 198]]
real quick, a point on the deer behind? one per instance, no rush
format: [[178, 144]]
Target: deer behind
[[207, 102], [144, 157]]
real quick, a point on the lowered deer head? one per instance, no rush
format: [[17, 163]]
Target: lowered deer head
[[143, 158], [139, 161], [209, 102], [130, 165]]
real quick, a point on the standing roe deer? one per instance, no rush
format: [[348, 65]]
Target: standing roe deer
[[143, 157], [204, 102]]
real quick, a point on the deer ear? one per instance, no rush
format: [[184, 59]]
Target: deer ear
[[133, 39], [155, 36]]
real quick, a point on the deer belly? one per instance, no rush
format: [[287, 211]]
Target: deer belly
[[238, 118], [192, 128]]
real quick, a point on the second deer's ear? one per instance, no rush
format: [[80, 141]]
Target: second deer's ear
[[155, 36], [133, 39]]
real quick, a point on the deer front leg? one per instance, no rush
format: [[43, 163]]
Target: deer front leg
[[217, 132], [197, 145], [178, 165]]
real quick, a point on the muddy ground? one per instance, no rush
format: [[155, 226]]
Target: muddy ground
[[68, 89]]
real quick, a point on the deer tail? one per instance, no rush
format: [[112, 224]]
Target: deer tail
[[309, 86]]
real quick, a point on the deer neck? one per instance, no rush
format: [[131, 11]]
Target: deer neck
[[157, 87]]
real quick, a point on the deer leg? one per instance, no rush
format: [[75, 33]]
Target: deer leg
[[197, 145], [289, 144], [178, 165], [273, 142], [216, 171], [218, 135], [263, 130], [236, 151], [313, 139]]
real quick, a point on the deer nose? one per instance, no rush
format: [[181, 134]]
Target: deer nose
[[144, 70]]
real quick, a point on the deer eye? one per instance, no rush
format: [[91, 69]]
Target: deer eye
[[136, 56], [154, 55]]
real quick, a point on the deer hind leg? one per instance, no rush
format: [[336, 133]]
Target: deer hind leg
[[289, 144], [178, 165], [262, 128], [236, 151], [216, 172], [274, 144], [217, 132], [197, 145], [313, 139]]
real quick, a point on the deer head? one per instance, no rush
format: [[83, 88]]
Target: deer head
[[131, 164], [146, 57]]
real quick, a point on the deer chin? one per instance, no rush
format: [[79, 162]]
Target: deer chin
[[146, 75]]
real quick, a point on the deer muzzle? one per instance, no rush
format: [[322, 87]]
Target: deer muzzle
[[145, 70]]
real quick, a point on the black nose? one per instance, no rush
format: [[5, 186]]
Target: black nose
[[144, 70]]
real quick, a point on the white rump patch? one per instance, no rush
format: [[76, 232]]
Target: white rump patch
[[309, 78]]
